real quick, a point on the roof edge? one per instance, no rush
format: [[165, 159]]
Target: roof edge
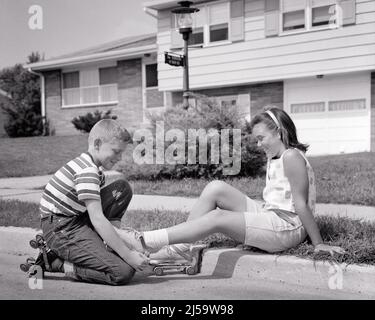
[[124, 53]]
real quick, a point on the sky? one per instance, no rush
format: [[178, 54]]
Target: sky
[[56, 27]]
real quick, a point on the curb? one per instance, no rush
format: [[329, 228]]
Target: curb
[[236, 263], [321, 275]]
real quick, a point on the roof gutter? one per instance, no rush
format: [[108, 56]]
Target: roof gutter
[[125, 53], [151, 12]]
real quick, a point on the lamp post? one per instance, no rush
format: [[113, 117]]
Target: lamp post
[[184, 20]]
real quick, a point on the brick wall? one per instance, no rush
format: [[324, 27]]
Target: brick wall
[[128, 110], [266, 93], [372, 111], [260, 94]]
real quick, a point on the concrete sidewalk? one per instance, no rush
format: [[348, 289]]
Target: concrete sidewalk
[[30, 189]]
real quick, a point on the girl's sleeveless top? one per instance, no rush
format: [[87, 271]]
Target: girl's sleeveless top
[[277, 193]]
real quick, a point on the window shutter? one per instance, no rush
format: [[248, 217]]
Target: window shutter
[[237, 20], [176, 37], [271, 18], [348, 11]]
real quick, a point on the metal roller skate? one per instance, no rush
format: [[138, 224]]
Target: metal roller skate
[[32, 265], [175, 260]]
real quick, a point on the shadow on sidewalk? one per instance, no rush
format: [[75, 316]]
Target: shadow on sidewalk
[[224, 269]]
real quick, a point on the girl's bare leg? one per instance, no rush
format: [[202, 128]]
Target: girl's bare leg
[[230, 223], [218, 194]]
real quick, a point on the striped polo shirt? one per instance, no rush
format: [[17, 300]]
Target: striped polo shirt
[[80, 179]]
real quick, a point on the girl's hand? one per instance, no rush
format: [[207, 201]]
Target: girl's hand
[[327, 248]]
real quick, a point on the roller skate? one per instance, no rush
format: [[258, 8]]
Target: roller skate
[[173, 258], [43, 260]]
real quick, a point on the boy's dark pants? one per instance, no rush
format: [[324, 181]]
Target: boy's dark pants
[[75, 240]]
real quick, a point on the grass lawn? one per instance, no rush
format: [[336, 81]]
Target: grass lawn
[[343, 178], [356, 237], [24, 157]]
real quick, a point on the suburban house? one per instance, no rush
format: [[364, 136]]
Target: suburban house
[[314, 58], [120, 76]]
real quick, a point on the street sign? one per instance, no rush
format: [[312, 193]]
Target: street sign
[[174, 59]]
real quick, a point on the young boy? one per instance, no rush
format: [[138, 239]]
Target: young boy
[[79, 213]]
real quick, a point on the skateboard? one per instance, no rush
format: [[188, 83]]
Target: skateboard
[[32, 265]]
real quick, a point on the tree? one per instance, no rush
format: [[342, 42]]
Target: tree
[[23, 109]]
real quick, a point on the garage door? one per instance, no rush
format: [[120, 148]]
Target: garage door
[[331, 113]]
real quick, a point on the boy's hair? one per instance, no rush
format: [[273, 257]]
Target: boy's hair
[[283, 124], [107, 130]]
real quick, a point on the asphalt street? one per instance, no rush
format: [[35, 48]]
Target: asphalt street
[[15, 285]]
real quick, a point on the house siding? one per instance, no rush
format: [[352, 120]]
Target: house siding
[[128, 110], [260, 59]]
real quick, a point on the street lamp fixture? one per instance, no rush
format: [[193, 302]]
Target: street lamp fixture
[[184, 20]]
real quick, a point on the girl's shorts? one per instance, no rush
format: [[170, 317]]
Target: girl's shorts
[[272, 230]]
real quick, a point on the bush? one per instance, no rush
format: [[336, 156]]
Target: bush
[[207, 114], [22, 122], [86, 122], [22, 107]]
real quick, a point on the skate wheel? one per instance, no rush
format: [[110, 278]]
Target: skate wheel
[[190, 271], [30, 261], [39, 238], [158, 271], [25, 267], [34, 244]]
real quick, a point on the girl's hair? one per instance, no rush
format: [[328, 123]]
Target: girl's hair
[[283, 124]]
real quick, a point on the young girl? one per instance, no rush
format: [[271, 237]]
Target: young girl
[[284, 219]]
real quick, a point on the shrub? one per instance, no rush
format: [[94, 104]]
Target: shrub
[[86, 122], [207, 114], [22, 121], [22, 106]]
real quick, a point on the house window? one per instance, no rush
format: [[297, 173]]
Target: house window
[[307, 14], [347, 105], [89, 86], [154, 97], [218, 22], [71, 80], [211, 24], [307, 107], [151, 75], [197, 36], [339, 105]]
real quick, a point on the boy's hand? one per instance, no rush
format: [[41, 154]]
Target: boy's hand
[[328, 248], [139, 261]]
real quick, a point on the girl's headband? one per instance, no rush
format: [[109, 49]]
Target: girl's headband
[[269, 112]]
